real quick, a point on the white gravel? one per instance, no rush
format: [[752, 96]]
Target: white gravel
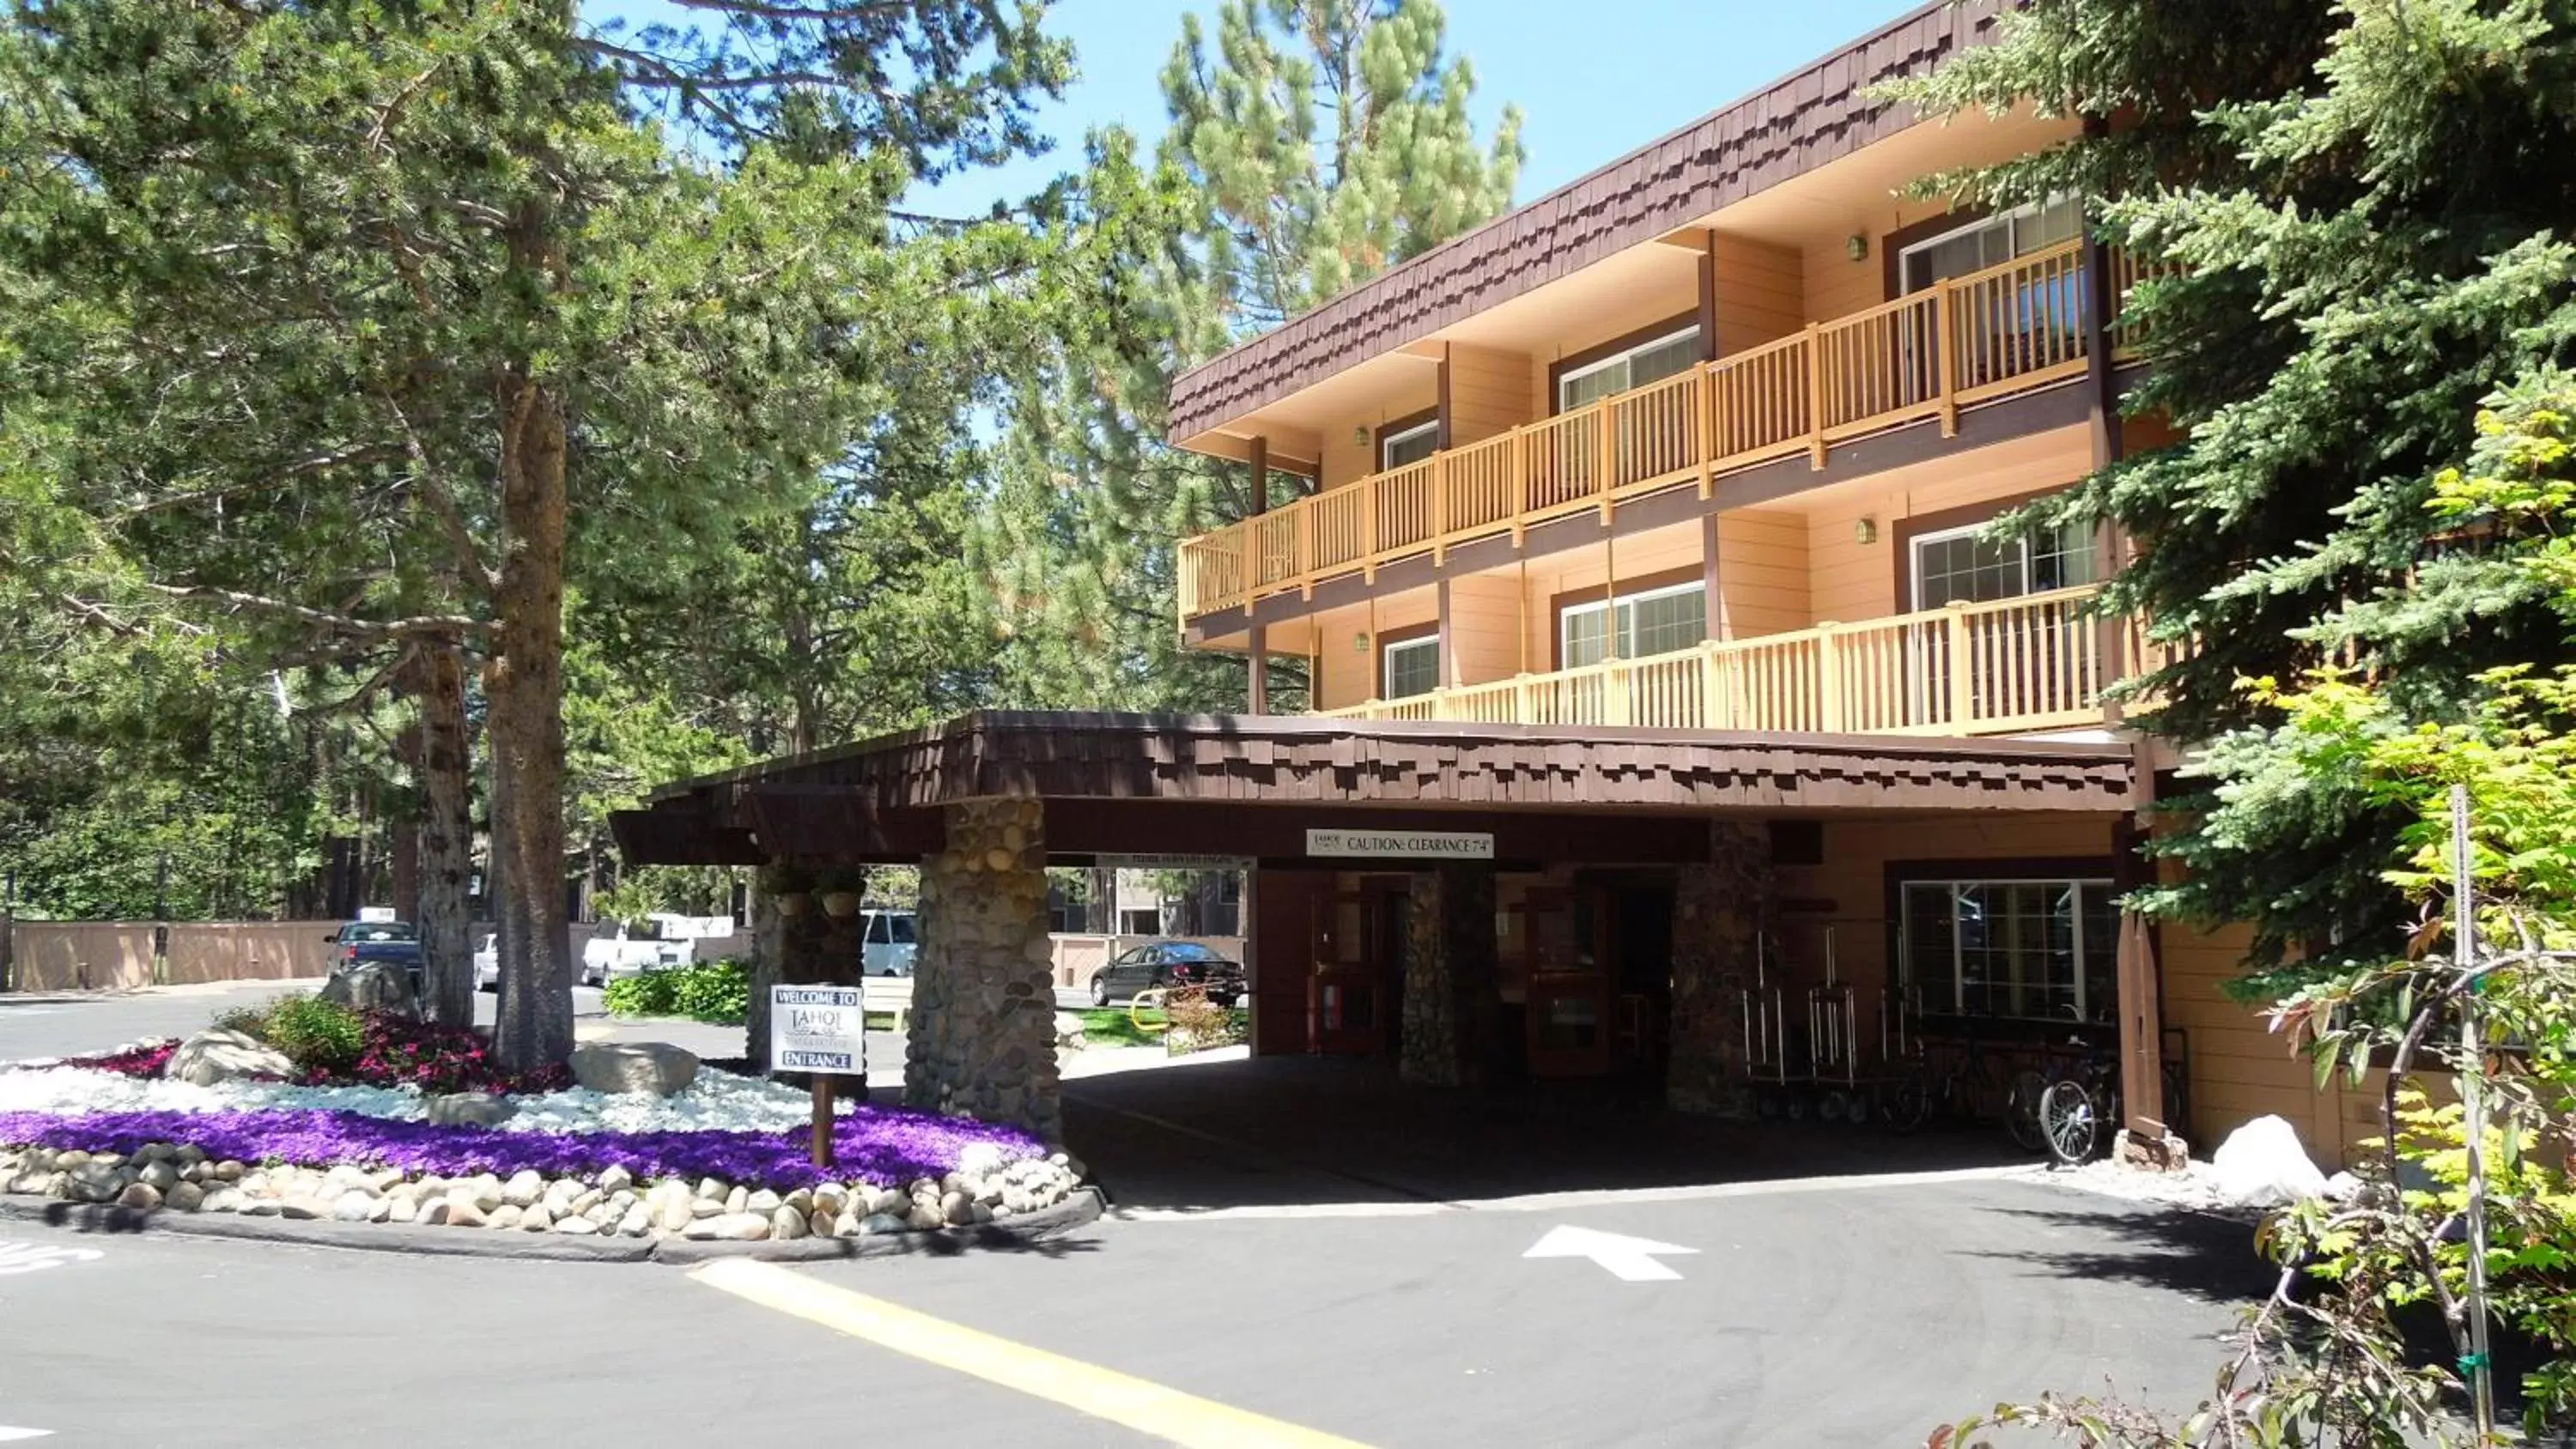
[[2195, 1187], [716, 1101]]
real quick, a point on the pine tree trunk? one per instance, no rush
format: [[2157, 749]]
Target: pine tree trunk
[[446, 838], [524, 686]]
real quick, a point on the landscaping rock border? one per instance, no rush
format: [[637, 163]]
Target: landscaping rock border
[[182, 1184], [1083, 1206]]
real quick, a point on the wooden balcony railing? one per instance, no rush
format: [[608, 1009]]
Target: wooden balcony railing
[[2030, 663], [1971, 339]]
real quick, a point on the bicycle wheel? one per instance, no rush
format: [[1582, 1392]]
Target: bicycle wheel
[[2071, 1121], [1905, 1100], [2021, 1109]]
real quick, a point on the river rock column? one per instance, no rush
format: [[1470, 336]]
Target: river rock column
[[1719, 912], [983, 991], [1452, 1014]]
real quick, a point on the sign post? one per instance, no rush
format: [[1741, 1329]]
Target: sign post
[[822, 1030]]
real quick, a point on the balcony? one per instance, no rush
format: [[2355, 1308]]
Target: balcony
[[2036, 662], [2009, 329]]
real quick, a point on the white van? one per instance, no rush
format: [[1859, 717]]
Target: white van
[[887, 943]]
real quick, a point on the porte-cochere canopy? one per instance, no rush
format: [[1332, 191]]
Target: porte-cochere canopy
[[1251, 786]]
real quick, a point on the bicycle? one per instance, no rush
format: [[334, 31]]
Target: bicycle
[[2079, 1111]]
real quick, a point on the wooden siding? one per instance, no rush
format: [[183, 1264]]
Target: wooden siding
[[1636, 311], [1585, 570], [1488, 392], [1761, 293], [1350, 672], [1837, 286], [1350, 450], [1761, 572], [1484, 630], [1851, 580], [2241, 1070]]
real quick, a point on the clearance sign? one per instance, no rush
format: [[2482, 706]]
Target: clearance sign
[[1402, 844]]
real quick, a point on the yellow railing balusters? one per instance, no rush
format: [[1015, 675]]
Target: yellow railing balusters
[[1965, 341]]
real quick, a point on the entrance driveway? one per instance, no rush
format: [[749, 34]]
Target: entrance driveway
[[1274, 1132]]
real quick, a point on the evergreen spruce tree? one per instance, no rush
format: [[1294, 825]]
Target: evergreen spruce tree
[[2367, 207]]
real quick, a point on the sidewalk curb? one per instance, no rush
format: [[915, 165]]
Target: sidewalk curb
[[1019, 1233]]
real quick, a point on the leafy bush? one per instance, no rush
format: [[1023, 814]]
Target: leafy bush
[[713, 991], [322, 1038], [1199, 1024], [397, 1051]]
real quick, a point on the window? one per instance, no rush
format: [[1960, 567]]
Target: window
[[1961, 563], [1651, 622], [2039, 949], [1988, 243], [1645, 363], [1407, 446], [1412, 667], [1147, 921]]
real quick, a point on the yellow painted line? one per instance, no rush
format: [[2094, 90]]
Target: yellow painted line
[[1149, 1408]]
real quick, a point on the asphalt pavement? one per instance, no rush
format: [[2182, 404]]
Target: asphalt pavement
[[1751, 1314]]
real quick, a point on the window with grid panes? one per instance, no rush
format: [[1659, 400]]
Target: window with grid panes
[[1650, 362], [1412, 667], [1657, 621], [2033, 949], [1962, 564]]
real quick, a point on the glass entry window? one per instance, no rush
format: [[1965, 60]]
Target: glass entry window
[[1988, 243], [1648, 362], [2034, 949], [1651, 622], [1961, 564], [1412, 667]]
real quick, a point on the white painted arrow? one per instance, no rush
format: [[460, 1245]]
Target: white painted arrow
[[10, 1436], [1630, 1259]]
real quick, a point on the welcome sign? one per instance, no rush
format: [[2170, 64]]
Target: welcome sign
[[817, 1029]]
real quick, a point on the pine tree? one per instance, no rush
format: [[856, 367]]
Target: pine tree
[[2367, 206], [393, 322], [1313, 144]]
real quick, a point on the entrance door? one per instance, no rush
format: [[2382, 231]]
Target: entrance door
[[1353, 1004], [1569, 988]]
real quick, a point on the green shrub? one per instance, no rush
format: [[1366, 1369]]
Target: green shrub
[[250, 1021], [712, 991], [316, 1035]]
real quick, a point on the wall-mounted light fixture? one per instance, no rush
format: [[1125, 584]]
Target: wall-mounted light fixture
[[1865, 531], [1360, 436], [1856, 246], [1360, 642]]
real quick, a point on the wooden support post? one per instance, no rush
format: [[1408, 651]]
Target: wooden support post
[[1816, 394], [1962, 670], [2141, 978], [1829, 679], [1257, 684], [1945, 341], [1448, 656], [822, 1120]]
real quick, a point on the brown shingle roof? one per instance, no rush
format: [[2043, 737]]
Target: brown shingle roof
[[1790, 127], [1264, 759]]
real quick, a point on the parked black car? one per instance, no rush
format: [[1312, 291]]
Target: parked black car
[[1168, 964], [359, 942]]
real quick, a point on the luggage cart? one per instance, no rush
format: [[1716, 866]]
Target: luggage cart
[[1766, 1034], [1842, 1092]]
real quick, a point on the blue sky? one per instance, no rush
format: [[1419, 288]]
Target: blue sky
[[1594, 80]]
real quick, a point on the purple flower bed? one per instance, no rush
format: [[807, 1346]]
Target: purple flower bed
[[873, 1144]]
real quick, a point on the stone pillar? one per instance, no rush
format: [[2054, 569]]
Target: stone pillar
[[1719, 912], [1452, 1016], [983, 992]]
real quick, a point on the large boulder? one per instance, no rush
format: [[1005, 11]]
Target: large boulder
[[372, 986], [477, 1109], [655, 1067], [216, 1055], [2263, 1163]]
